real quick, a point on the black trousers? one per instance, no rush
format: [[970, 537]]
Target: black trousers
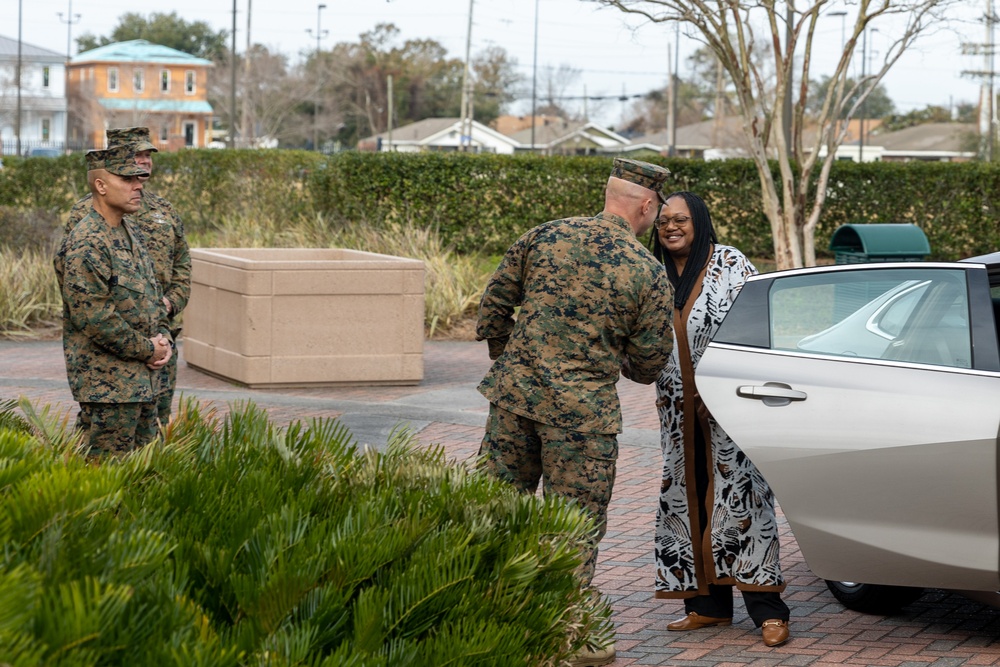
[[761, 606]]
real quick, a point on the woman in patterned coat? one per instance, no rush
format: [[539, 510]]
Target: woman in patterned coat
[[703, 549]]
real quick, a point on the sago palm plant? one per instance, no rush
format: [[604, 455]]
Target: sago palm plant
[[234, 542]]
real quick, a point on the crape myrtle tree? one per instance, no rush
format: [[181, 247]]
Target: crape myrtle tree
[[733, 30]]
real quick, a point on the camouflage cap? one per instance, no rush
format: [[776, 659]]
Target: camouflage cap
[[131, 135], [650, 176], [119, 160]]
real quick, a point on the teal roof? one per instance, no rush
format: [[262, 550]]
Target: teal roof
[[158, 106], [881, 240], [138, 51]]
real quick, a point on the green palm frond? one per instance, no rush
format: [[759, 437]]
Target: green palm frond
[[235, 543]]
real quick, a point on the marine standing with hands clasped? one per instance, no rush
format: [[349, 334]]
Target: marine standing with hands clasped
[[163, 235], [115, 335], [594, 303]]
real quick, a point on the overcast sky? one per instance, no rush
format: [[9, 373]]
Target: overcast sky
[[615, 55]]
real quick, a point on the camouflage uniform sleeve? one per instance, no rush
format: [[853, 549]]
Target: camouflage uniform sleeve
[[87, 292], [179, 290], [77, 213], [503, 294], [649, 347]]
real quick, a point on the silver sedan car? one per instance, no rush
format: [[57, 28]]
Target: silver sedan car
[[869, 397]]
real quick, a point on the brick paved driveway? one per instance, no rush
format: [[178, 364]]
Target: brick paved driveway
[[940, 630]]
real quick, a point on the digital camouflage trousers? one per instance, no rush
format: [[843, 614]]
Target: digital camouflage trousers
[[574, 465], [113, 428]]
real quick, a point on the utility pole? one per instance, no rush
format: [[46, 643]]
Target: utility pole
[[246, 125], [987, 100], [320, 34], [534, 82], [466, 132], [786, 110], [674, 79], [232, 85], [17, 76], [389, 112], [861, 120]]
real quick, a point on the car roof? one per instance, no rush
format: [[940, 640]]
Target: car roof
[[992, 262]]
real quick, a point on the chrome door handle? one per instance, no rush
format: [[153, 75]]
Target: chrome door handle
[[771, 393]]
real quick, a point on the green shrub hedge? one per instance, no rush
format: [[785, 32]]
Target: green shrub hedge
[[483, 202], [238, 543]]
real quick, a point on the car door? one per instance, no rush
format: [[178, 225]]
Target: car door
[[879, 433]]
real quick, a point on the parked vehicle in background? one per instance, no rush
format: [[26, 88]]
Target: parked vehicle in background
[[869, 397], [42, 151]]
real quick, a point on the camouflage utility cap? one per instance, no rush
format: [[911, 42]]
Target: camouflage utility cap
[[119, 160], [650, 176], [139, 136]]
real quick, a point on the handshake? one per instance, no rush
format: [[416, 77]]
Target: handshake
[[162, 351]]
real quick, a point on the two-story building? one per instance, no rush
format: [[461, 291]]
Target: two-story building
[[43, 97], [137, 83]]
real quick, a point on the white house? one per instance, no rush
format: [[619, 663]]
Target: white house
[[564, 137], [439, 134], [43, 97]]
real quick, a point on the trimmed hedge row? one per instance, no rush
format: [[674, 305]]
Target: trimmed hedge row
[[483, 202]]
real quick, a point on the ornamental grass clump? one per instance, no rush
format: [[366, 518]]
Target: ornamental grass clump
[[234, 542]]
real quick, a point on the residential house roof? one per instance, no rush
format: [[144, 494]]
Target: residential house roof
[[140, 51], [8, 51], [435, 131], [156, 106], [552, 135], [928, 139]]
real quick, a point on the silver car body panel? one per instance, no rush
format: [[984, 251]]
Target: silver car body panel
[[886, 470]]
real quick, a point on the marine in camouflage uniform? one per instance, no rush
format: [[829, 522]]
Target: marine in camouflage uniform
[[593, 303], [112, 314], [162, 233]]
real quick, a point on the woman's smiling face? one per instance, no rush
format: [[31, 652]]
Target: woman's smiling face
[[675, 227]]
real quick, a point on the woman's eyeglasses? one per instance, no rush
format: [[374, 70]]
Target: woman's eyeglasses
[[678, 220]]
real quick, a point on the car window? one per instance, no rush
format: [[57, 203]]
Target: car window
[[918, 316]]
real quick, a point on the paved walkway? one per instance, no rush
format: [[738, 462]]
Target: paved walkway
[[939, 630]]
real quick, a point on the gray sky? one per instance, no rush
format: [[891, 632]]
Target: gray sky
[[615, 55]]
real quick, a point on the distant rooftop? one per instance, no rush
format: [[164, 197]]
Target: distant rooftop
[[138, 50], [8, 50]]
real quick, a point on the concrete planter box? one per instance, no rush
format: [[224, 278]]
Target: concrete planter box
[[274, 317]]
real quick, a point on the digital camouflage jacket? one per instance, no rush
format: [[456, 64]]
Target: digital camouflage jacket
[[593, 303], [111, 308], [163, 235]]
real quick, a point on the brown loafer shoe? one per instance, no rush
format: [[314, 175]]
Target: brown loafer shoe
[[774, 631], [695, 621]]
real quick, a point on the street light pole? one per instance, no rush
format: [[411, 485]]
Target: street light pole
[[320, 34], [70, 19]]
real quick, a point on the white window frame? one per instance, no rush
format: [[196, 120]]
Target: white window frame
[[190, 82], [164, 81], [164, 133], [138, 80], [113, 83], [46, 78], [194, 133]]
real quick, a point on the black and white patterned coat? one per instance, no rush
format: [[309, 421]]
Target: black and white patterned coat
[[744, 534]]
